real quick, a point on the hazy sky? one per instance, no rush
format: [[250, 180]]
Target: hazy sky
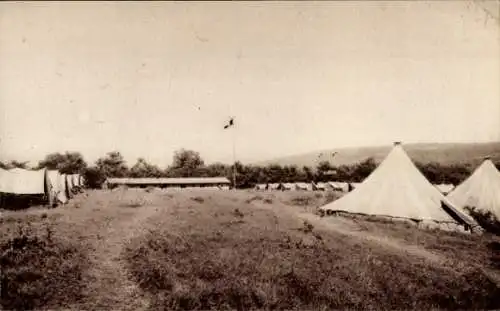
[[149, 78]]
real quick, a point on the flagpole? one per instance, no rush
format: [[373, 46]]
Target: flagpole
[[234, 158]]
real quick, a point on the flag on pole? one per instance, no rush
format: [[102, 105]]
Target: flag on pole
[[230, 123]]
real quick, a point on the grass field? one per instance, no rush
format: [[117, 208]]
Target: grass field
[[183, 250]]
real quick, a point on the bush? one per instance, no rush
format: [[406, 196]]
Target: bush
[[254, 198], [198, 199], [485, 219], [39, 272], [330, 197], [302, 201]]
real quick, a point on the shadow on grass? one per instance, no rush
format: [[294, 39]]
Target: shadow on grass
[[40, 272]]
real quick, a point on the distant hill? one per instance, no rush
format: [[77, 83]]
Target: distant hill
[[444, 153]]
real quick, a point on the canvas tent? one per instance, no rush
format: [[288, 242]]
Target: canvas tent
[[286, 186], [481, 190], [396, 188], [5, 181], [274, 186], [75, 181], [81, 182], [58, 185], [69, 186], [261, 187], [321, 186], [27, 182], [303, 186], [53, 179], [26, 185], [62, 196], [338, 186]]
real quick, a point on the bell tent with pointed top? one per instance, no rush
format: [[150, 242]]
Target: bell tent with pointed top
[[396, 188], [481, 190]]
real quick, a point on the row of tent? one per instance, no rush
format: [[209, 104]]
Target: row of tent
[[396, 188], [329, 185], [308, 186], [48, 187]]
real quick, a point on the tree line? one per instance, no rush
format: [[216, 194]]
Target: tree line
[[189, 163]]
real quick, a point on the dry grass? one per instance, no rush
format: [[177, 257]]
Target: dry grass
[[40, 270], [269, 261], [238, 250]]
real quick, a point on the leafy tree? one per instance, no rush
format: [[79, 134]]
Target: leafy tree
[[322, 171], [3, 165], [186, 163], [363, 170], [113, 165], [275, 173], [143, 169], [308, 173], [17, 164], [217, 170], [94, 177], [67, 163]]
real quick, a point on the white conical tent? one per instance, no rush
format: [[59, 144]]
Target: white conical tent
[[481, 190], [396, 188]]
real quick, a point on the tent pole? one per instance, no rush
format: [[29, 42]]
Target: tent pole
[[234, 159]]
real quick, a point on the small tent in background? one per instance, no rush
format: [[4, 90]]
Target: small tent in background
[[338, 186], [274, 186], [302, 186], [261, 187], [481, 190], [396, 188], [320, 186], [286, 186]]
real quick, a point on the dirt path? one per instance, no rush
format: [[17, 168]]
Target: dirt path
[[344, 227], [108, 230]]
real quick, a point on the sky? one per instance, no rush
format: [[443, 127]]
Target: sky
[[149, 78]]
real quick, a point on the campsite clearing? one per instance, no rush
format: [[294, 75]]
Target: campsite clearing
[[207, 249]]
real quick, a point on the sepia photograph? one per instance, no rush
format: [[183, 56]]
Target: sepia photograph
[[250, 155]]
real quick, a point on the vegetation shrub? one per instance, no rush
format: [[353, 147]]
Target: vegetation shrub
[[302, 200], [254, 198], [268, 200], [198, 199], [485, 219], [39, 272], [331, 196]]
